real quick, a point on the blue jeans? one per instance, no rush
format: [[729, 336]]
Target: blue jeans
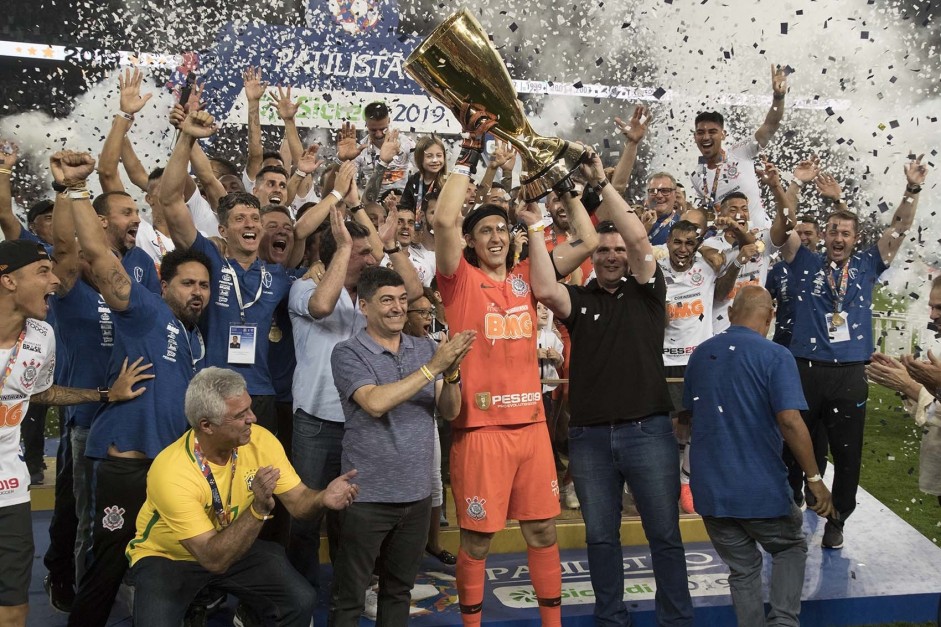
[[261, 579], [643, 454], [316, 448]]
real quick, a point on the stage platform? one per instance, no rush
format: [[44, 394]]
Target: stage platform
[[886, 572]]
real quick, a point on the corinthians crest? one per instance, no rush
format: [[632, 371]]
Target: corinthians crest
[[518, 285], [475, 508], [31, 369]]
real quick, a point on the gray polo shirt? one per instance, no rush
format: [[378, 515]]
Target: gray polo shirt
[[313, 388], [393, 455]]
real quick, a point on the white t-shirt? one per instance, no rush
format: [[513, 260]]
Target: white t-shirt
[[547, 338], [31, 374], [204, 217], [689, 308], [753, 272], [397, 172], [152, 242], [736, 174]]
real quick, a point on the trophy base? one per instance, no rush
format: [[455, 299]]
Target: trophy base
[[565, 159]]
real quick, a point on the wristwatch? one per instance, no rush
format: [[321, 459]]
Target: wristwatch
[[103, 395], [391, 251]]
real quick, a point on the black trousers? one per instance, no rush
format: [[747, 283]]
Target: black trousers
[[119, 487], [277, 529], [32, 431], [60, 556], [836, 397]]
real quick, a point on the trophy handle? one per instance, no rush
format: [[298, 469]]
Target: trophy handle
[[522, 148]]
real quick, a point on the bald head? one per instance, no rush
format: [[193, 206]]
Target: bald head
[[752, 308]]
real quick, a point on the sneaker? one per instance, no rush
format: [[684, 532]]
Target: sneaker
[[36, 478], [61, 595], [568, 496], [245, 617], [686, 499], [832, 537], [443, 521], [371, 608]]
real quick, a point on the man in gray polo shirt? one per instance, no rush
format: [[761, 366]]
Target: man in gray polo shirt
[[322, 315], [389, 384]]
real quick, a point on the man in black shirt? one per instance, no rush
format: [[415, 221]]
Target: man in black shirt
[[617, 326]]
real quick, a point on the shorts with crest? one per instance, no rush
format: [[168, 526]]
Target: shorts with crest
[[500, 473]]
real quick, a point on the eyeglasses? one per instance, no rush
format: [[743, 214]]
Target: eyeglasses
[[653, 191], [424, 313]]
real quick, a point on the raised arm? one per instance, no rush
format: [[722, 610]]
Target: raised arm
[[384, 243], [302, 177], [892, 236], [197, 125], [633, 131], [546, 289], [132, 166], [776, 113], [9, 224], [830, 190], [785, 215], [613, 207], [111, 278], [387, 152], [324, 299], [131, 102], [64, 246], [254, 90], [501, 155]]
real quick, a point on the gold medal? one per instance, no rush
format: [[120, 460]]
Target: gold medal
[[275, 334], [838, 319]]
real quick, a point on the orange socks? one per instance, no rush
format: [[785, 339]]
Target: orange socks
[[545, 571], [470, 587]]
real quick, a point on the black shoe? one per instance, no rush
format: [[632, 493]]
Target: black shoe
[[832, 537], [36, 478], [61, 594], [195, 616], [245, 617], [444, 556]]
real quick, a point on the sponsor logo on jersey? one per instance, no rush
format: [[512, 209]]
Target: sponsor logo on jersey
[[511, 326], [685, 309], [29, 346], [36, 326]]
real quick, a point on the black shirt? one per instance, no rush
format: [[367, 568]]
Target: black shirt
[[616, 369]]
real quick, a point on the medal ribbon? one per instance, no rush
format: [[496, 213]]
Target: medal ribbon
[[11, 362], [839, 292], [715, 181], [222, 513], [660, 225]]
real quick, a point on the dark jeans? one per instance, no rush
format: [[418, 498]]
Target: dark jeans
[[120, 488], [396, 534], [60, 556], [32, 431], [317, 446], [643, 454], [262, 579], [836, 397], [736, 541]]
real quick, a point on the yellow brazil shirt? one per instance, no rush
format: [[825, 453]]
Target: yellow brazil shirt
[[179, 500]]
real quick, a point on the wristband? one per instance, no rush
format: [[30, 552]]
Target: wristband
[[261, 517], [358, 207], [600, 186], [461, 169], [535, 228], [815, 478], [300, 175], [737, 263], [911, 189], [79, 194], [337, 194], [5, 171], [799, 182], [127, 116], [778, 97], [425, 371], [455, 378], [391, 251], [103, 394]]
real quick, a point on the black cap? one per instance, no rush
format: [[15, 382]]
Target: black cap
[[37, 209], [15, 254], [481, 212]]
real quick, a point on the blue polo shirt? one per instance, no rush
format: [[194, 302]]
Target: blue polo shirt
[[141, 268], [223, 310], [155, 419], [814, 300], [86, 345], [780, 283], [736, 383], [393, 455], [281, 357]]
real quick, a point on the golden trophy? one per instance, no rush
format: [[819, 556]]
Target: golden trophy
[[458, 64]]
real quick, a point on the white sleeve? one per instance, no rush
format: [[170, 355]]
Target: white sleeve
[[203, 216], [48, 367]]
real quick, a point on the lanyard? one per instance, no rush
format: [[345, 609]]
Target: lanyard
[[839, 293], [222, 513], [228, 269], [11, 362], [661, 224], [163, 249], [711, 196], [199, 338]]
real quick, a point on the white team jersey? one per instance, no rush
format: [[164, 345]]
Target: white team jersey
[[736, 174], [397, 172], [753, 272], [31, 373], [689, 308], [423, 260]]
